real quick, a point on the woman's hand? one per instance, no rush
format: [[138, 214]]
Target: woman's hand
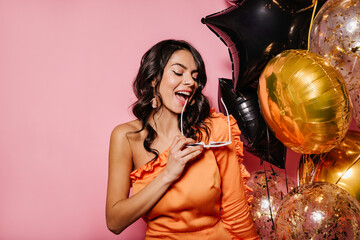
[[179, 155]]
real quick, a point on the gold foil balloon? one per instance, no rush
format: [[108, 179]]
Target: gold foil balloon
[[269, 189], [335, 35], [340, 166], [318, 211], [305, 102]]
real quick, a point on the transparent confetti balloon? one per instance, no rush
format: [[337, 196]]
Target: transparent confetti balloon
[[269, 190], [335, 35], [319, 210], [355, 98]]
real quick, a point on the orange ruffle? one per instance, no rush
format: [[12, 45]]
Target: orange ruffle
[[149, 167], [235, 133], [162, 158]]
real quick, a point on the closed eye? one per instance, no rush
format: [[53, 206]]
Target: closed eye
[[177, 74]]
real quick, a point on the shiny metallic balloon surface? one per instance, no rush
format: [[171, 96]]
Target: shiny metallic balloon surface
[[340, 166], [304, 101]]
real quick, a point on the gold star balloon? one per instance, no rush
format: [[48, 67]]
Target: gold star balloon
[[304, 101]]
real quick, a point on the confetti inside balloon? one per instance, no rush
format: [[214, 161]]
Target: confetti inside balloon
[[269, 190], [335, 35], [355, 98], [340, 166], [305, 101], [318, 211]]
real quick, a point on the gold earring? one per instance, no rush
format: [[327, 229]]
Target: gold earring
[[154, 103]]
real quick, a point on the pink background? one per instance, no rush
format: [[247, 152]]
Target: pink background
[[66, 69]]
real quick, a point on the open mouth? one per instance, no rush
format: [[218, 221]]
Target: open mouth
[[183, 95]]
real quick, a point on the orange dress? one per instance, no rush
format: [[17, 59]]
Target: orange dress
[[209, 200]]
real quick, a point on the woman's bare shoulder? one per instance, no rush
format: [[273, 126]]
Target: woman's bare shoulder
[[124, 130], [122, 140]]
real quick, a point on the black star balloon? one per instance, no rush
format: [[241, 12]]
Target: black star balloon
[[257, 137], [300, 4], [257, 30]]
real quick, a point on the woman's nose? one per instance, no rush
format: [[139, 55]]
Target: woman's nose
[[188, 80]]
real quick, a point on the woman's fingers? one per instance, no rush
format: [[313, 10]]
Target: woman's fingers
[[179, 142], [189, 153], [179, 148], [180, 154]]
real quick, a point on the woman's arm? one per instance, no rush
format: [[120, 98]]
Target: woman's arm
[[121, 211], [235, 211]]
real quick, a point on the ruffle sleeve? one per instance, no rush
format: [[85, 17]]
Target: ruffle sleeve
[[148, 169], [235, 209], [235, 134]]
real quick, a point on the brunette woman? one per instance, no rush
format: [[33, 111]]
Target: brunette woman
[[182, 159]]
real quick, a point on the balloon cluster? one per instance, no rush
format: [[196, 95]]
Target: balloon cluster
[[339, 171], [269, 189], [305, 101], [257, 137], [340, 166], [284, 96], [255, 32]]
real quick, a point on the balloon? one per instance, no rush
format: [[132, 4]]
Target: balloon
[[308, 3], [304, 101], [318, 211], [300, 3], [355, 99], [340, 166], [269, 190], [335, 35], [257, 139], [256, 31]]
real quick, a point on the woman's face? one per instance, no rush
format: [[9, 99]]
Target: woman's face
[[178, 82]]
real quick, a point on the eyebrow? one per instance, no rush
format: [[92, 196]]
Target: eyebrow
[[181, 65]]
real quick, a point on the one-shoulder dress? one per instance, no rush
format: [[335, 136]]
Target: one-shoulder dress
[[210, 200]]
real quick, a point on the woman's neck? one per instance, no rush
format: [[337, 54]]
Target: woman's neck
[[165, 123]]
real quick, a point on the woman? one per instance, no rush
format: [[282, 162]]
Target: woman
[[182, 190]]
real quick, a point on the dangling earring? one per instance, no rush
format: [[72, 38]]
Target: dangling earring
[[154, 103]]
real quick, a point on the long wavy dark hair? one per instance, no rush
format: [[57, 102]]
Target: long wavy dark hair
[[151, 68]]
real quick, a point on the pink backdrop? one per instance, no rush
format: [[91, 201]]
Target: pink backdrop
[[66, 69]]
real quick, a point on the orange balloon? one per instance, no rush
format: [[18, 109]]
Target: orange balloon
[[304, 101]]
